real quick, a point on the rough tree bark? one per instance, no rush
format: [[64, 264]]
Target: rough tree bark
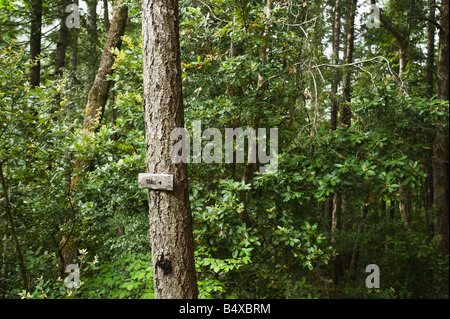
[[35, 42], [97, 98], [441, 143], [172, 242], [93, 42], [336, 35], [335, 201], [106, 14], [346, 112], [401, 36], [430, 48], [9, 215], [428, 139], [63, 40]]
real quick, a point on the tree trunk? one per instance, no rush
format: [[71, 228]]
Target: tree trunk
[[427, 161], [335, 60], [73, 60], [441, 144], [428, 196], [335, 202], [170, 216], [63, 41], [355, 254], [97, 98], [7, 205], [106, 14], [346, 112], [98, 95], [93, 42], [430, 48], [335, 226], [403, 207], [402, 46], [402, 37], [35, 42]]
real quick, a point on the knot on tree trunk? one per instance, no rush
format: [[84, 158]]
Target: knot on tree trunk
[[165, 264]]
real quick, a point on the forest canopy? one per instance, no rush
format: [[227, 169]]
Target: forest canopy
[[356, 90]]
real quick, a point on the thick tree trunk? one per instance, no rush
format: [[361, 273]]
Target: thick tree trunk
[[35, 42], [403, 58], [441, 144], [169, 211]]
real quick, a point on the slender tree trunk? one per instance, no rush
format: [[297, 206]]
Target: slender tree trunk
[[63, 41], [428, 162], [335, 226], [106, 14], [4, 234], [95, 105], [428, 196], [335, 201], [250, 168], [73, 60], [430, 48], [346, 112], [355, 254], [404, 208], [35, 42], [98, 95], [93, 42], [336, 35], [169, 211], [441, 144], [402, 37], [7, 205]]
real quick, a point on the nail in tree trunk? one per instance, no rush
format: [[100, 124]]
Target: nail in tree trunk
[[170, 216], [35, 42]]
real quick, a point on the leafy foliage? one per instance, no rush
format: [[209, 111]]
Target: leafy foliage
[[256, 235]]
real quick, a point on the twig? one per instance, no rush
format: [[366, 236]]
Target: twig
[[212, 13]]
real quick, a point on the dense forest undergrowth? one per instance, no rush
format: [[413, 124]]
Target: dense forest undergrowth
[[362, 174]]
